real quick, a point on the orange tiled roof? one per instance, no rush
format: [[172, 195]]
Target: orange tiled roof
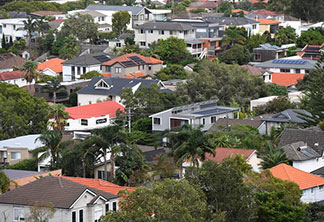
[[239, 10], [99, 184], [222, 153], [267, 21], [286, 79], [134, 75], [303, 179], [17, 74], [106, 74], [54, 64], [124, 58]]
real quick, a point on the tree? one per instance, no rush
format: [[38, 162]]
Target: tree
[[313, 36], [26, 164], [285, 35], [21, 113], [172, 71], [276, 105], [3, 42], [234, 35], [165, 167], [307, 11], [277, 90], [70, 47], [172, 50], [90, 75], [120, 20], [31, 74], [255, 40], [30, 26], [314, 212], [4, 182], [57, 112], [236, 55], [272, 156], [53, 87], [41, 212], [169, 200]]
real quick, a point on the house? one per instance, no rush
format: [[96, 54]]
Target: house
[[42, 14], [303, 157], [14, 77], [74, 68], [288, 65], [268, 25], [286, 117], [120, 41], [9, 60], [51, 67], [283, 79], [139, 15], [198, 114], [311, 185], [92, 116], [287, 20], [159, 14], [56, 24], [150, 32], [23, 177], [253, 70], [103, 88], [312, 52], [256, 123], [72, 201], [131, 63], [12, 29], [267, 52]]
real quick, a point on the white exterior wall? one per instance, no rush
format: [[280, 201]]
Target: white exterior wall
[[19, 82], [254, 162], [67, 71], [9, 27], [311, 195], [294, 24], [309, 165], [75, 124], [86, 99], [303, 71], [108, 18]]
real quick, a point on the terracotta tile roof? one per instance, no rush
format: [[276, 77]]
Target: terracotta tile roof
[[53, 64], [94, 110], [286, 79], [106, 74], [239, 10], [9, 60], [267, 21], [99, 184], [302, 179], [126, 57], [134, 75], [254, 70], [11, 75], [263, 12], [222, 153]]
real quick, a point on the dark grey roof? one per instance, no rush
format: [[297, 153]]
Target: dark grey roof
[[151, 155], [155, 25], [55, 24], [62, 193], [303, 64], [116, 83], [290, 115], [14, 14], [233, 122], [89, 59], [299, 151], [319, 172], [313, 138], [230, 21], [134, 9], [16, 174], [126, 35]]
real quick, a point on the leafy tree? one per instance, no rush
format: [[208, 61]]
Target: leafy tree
[[31, 74], [172, 50], [276, 105], [272, 156], [223, 82], [26, 164], [235, 35], [172, 71], [4, 182], [277, 90], [41, 212], [307, 11], [120, 20], [244, 5], [313, 36], [70, 47], [165, 167], [255, 40], [90, 75], [236, 55], [285, 35], [169, 200], [225, 7], [54, 86], [314, 212], [21, 113], [31, 6]]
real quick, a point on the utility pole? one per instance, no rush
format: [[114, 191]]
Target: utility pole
[[129, 120]]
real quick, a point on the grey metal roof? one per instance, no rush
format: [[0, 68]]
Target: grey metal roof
[[309, 64], [93, 13], [88, 59], [234, 21], [267, 46], [116, 83], [28, 141], [134, 9], [299, 151], [193, 41], [16, 174], [290, 115], [156, 25]]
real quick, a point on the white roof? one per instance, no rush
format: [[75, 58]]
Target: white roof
[[160, 11], [28, 141]]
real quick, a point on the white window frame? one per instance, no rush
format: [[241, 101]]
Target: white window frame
[[11, 156], [118, 70], [158, 118], [21, 216]]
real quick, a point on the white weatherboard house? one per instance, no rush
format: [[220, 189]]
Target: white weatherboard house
[[12, 29], [72, 201], [203, 114]]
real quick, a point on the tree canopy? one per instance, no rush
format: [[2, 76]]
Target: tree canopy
[[120, 20], [172, 71], [236, 55]]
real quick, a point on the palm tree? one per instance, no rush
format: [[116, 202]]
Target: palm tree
[[70, 47], [272, 156], [59, 115], [30, 72], [233, 36], [42, 26], [54, 86], [30, 26]]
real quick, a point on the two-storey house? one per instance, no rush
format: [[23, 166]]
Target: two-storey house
[[12, 29]]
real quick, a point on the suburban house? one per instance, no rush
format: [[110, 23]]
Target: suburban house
[[288, 65], [311, 185], [51, 67], [14, 77], [267, 52], [287, 20], [303, 157], [72, 201], [312, 52], [56, 15], [268, 25], [103, 89], [119, 42], [74, 68], [282, 79], [12, 29], [150, 32], [286, 117], [92, 116], [131, 63], [9, 60], [198, 114]]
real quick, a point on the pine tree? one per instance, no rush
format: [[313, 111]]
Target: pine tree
[[3, 42]]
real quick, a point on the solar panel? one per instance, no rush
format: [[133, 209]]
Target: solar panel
[[289, 61], [128, 63], [102, 58], [137, 60]]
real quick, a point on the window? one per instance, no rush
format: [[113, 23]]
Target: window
[[118, 44], [73, 70], [102, 18], [204, 121], [297, 70], [101, 174], [107, 207], [108, 69], [143, 43], [102, 84], [73, 216], [150, 31], [284, 70], [253, 26], [321, 187], [139, 67], [114, 206], [79, 70], [80, 215], [257, 57], [84, 69], [213, 119], [14, 27], [84, 122], [4, 26], [15, 155], [18, 214], [157, 121], [171, 32], [161, 32], [150, 67], [118, 70], [312, 190], [185, 32], [142, 31]]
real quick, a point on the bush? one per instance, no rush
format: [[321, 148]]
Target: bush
[[90, 75], [276, 90], [28, 164]]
